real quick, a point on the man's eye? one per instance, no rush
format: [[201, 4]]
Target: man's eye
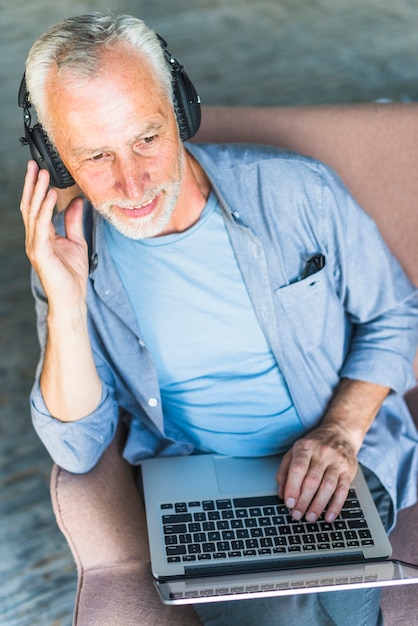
[[150, 139], [97, 157]]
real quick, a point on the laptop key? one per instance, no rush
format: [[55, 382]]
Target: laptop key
[[295, 540], [357, 523], [266, 542], [171, 540], [237, 523], [178, 518], [227, 535], [208, 547], [352, 514], [269, 510], [340, 524], [174, 529], [250, 522], [255, 512], [222, 524], [223, 504], [208, 505], [175, 550], [214, 535], [280, 541], [298, 528]]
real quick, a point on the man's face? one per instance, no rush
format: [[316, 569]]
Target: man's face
[[118, 137]]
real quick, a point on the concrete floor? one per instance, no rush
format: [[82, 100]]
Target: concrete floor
[[238, 52]]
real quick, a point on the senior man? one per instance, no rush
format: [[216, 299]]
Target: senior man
[[178, 292]]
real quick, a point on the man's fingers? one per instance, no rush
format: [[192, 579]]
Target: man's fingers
[[340, 495], [296, 468], [36, 195], [281, 476], [327, 489], [313, 479], [74, 220], [28, 189]]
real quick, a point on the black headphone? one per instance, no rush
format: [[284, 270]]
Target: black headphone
[[186, 107]]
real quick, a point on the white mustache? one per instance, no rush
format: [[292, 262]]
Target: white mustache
[[148, 197]]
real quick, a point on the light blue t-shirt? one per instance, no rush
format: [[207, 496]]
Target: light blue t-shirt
[[219, 380]]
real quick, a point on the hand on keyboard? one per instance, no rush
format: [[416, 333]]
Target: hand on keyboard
[[316, 472]]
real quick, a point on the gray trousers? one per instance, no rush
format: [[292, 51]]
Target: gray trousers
[[332, 608]]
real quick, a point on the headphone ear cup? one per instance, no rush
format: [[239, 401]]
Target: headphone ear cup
[[46, 156], [186, 105]]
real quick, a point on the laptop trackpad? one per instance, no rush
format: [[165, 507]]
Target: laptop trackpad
[[246, 475]]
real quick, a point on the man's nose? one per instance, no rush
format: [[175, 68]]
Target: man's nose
[[130, 177]]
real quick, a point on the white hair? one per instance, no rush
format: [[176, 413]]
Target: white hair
[[76, 46]]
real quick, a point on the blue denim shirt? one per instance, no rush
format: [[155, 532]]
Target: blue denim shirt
[[356, 318]]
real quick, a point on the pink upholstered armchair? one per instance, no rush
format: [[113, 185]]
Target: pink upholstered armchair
[[374, 148]]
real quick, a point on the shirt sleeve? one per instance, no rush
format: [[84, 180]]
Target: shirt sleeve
[[379, 300], [75, 446]]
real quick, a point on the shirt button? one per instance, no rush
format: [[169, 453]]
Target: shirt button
[[153, 402], [141, 343]]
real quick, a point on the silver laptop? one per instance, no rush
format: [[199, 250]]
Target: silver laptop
[[218, 531]]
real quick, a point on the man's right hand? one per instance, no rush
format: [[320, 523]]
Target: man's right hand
[[60, 262]]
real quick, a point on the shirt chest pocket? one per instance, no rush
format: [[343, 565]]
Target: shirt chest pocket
[[309, 308]]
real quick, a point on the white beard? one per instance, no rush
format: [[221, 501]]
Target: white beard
[[154, 223]]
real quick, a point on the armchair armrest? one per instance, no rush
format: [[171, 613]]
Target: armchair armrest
[[102, 518]]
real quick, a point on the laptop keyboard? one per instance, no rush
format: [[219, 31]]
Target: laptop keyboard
[[209, 530]]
